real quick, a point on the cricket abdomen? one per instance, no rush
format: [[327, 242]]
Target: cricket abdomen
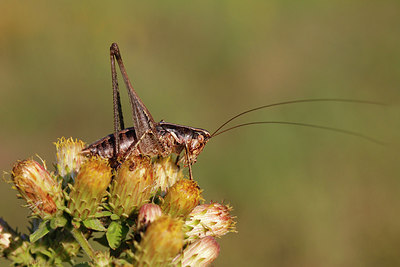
[[105, 147]]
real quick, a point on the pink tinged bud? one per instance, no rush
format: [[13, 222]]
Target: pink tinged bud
[[166, 172], [37, 187], [200, 253], [5, 240], [209, 220], [147, 214], [181, 198], [132, 186], [89, 188], [6, 235]]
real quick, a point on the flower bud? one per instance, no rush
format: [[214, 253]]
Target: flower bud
[[161, 242], [147, 214], [6, 235], [132, 185], [181, 198], [209, 220], [200, 253], [166, 172], [89, 188], [37, 187], [69, 157], [102, 259]]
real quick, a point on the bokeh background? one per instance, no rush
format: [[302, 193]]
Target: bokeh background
[[302, 197]]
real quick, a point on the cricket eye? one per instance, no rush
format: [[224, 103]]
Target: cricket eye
[[200, 138]]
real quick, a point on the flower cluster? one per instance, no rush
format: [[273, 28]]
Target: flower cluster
[[144, 211]]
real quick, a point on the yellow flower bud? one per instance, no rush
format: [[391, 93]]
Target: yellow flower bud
[[69, 157], [166, 172], [89, 188], [181, 198], [132, 185], [161, 242]]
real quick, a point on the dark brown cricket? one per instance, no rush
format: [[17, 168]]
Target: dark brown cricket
[[146, 137], [151, 138]]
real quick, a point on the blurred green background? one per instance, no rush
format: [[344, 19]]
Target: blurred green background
[[302, 197]]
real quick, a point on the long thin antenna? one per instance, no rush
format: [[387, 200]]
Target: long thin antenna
[[306, 125], [297, 101]]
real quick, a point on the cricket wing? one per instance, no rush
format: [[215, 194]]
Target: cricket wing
[[143, 122]]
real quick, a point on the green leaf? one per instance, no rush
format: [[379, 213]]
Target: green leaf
[[116, 232], [42, 230], [104, 213], [82, 264], [94, 224], [49, 252], [59, 221], [114, 217], [76, 223]]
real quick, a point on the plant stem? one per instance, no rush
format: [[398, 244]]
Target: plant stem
[[78, 235]]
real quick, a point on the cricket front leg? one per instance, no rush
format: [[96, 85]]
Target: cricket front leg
[[188, 161]]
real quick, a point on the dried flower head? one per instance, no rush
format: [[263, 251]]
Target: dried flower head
[[181, 198], [209, 220], [37, 187]]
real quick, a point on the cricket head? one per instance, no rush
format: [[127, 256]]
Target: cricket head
[[186, 138], [196, 144]]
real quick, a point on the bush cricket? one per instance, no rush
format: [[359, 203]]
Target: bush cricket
[[151, 138]]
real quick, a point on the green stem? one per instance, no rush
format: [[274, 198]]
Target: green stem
[[78, 235]]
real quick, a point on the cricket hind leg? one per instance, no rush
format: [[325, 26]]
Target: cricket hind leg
[[118, 116], [142, 119]]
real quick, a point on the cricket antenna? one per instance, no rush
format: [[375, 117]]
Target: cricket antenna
[[293, 102], [368, 138]]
